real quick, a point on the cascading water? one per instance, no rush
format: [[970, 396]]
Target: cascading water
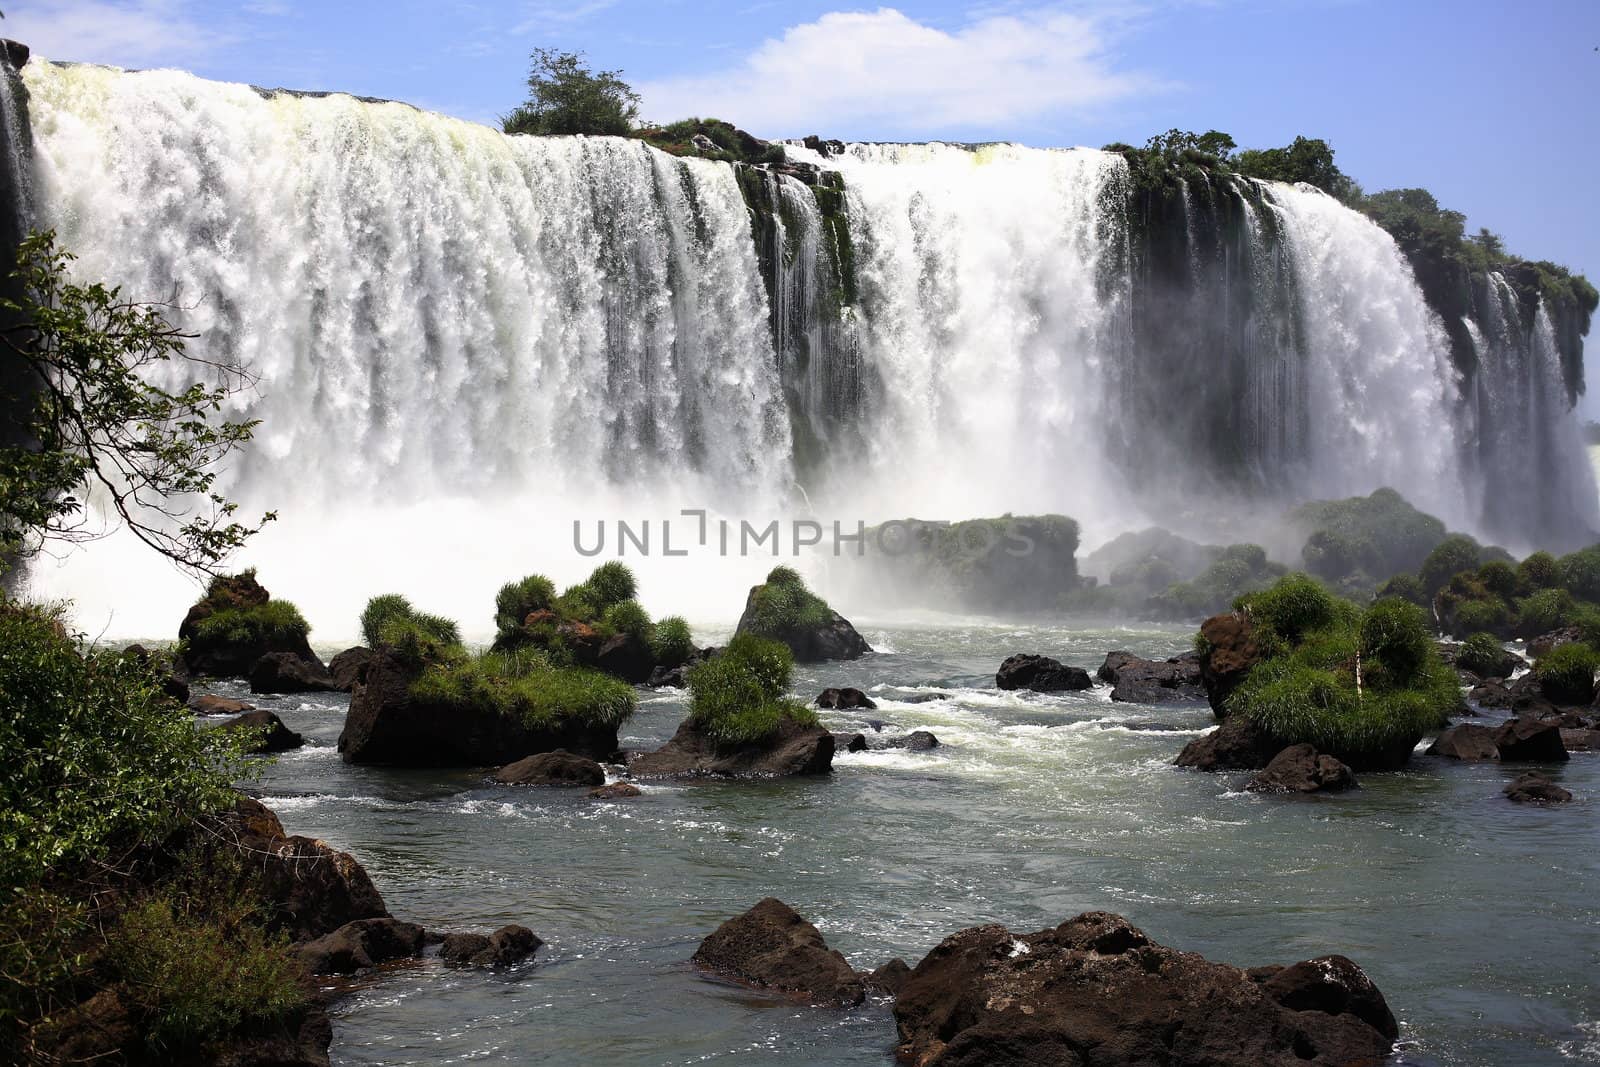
[[466, 341]]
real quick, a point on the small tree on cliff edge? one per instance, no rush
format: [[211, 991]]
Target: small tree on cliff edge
[[86, 417], [565, 96]]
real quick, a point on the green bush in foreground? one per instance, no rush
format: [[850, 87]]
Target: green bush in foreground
[[671, 641], [274, 621], [524, 685], [738, 696], [1566, 673], [783, 605], [1349, 682], [517, 600]]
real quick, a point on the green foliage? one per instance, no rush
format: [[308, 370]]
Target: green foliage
[[1238, 569], [1580, 573], [413, 637], [1498, 577], [1371, 535], [1488, 615], [95, 752], [1546, 610], [1566, 673], [611, 583], [1483, 655], [565, 97], [627, 617], [1454, 554], [96, 422], [274, 621], [517, 600], [738, 696], [671, 642], [1539, 571], [1406, 587], [379, 612], [524, 685], [729, 144], [1345, 681], [1306, 160], [783, 605]]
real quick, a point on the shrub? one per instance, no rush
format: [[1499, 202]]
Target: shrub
[[1580, 573], [379, 612], [1473, 616], [611, 583], [1539, 571], [671, 641], [1395, 634], [517, 600], [1292, 607], [1237, 570], [628, 617], [579, 603], [738, 696], [413, 637], [1566, 673], [1483, 655], [526, 686], [1498, 577], [1406, 587], [1546, 610], [274, 621], [1454, 554], [783, 604], [1376, 534]]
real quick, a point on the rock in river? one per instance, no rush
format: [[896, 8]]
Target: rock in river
[[1041, 674], [772, 947]]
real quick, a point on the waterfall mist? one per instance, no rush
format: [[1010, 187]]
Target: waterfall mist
[[465, 342]]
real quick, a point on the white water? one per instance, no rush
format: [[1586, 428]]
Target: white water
[[467, 341]]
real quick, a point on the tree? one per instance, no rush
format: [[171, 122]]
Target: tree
[[1306, 160], [565, 96], [1213, 143], [92, 420]]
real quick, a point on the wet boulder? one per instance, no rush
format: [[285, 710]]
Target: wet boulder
[[626, 656], [772, 947], [832, 637], [889, 978], [274, 736], [558, 768], [1141, 681], [616, 791], [915, 741], [1041, 674], [506, 947], [349, 668], [1098, 990], [1228, 651], [1466, 742], [846, 742], [1544, 643], [364, 943], [1490, 693], [793, 750], [284, 672], [212, 704], [1530, 740], [1535, 788], [1236, 745], [845, 699], [1302, 769]]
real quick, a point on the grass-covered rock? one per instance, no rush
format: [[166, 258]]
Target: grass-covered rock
[[1364, 686], [237, 622], [1485, 656], [672, 641], [596, 623], [1354, 543], [783, 609], [1566, 673], [1238, 569]]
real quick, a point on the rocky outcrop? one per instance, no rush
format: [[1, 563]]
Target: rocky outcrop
[[274, 735], [1141, 681], [1530, 740], [506, 947], [1302, 769], [627, 657], [793, 750], [215, 657], [890, 978], [212, 704], [678, 677], [772, 947], [1535, 788], [285, 672], [558, 768], [1228, 651], [1466, 742], [1236, 745], [364, 943], [833, 639], [1097, 990], [1544, 643], [845, 699], [1041, 674], [349, 668], [387, 726]]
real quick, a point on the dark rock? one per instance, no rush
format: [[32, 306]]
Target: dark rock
[[1530, 740], [922, 698], [849, 743], [361, 944], [552, 768], [1230, 650], [1236, 745], [349, 668], [211, 704], [506, 947], [627, 657], [890, 977], [845, 699], [1466, 742], [1096, 990], [1583, 739], [1490, 693], [1301, 769], [386, 726], [1041, 674], [275, 737], [283, 672], [771, 947], [1542, 644], [1534, 788], [204, 658], [16, 54], [1143, 681], [825, 149], [794, 749], [833, 639], [916, 741], [616, 791], [678, 677]]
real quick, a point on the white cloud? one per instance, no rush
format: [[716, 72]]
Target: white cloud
[[882, 71], [545, 18], [136, 33]]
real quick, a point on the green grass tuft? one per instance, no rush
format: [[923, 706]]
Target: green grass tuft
[[517, 600], [627, 617], [671, 641], [784, 604], [1566, 673], [738, 696], [276, 620], [526, 686]]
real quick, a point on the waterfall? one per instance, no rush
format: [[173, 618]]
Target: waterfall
[[465, 341]]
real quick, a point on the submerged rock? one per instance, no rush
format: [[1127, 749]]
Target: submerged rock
[[1141, 681], [1302, 769], [285, 672], [361, 944], [506, 947], [915, 741], [1041, 674], [846, 742], [1097, 990], [212, 704], [772, 947], [558, 768], [1535, 788], [616, 791], [890, 978], [845, 699], [1228, 651], [275, 736], [794, 749], [1236, 745]]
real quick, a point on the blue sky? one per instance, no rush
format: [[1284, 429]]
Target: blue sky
[[1488, 104]]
